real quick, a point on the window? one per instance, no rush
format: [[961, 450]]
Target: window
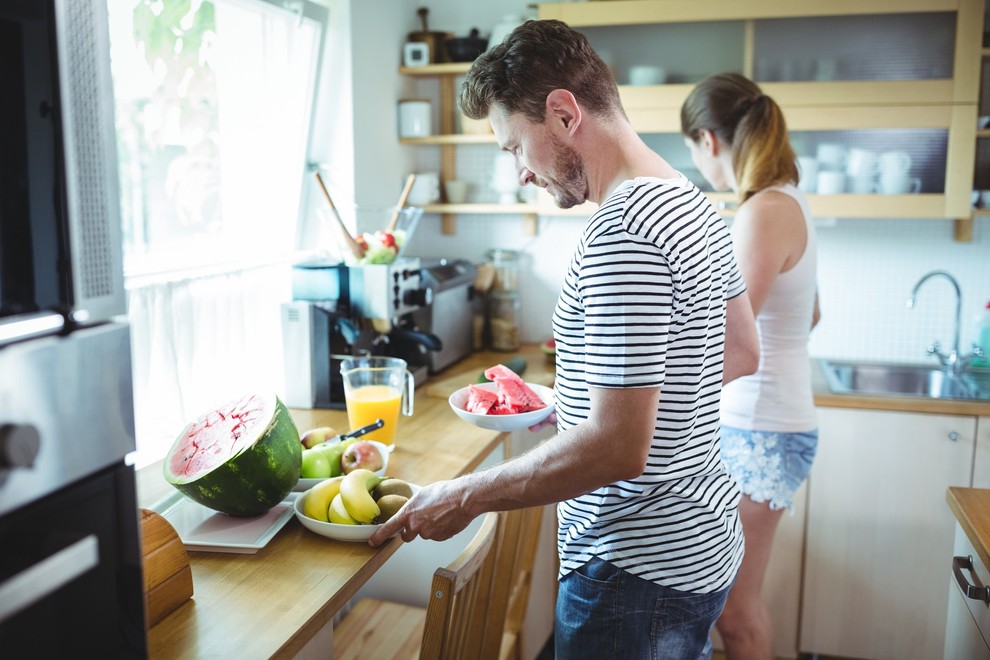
[[213, 107]]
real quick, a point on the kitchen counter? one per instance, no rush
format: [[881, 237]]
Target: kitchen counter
[[824, 397], [274, 602], [971, 507]]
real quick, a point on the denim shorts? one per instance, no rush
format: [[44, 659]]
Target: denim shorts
[[769, 466], [605, 612]]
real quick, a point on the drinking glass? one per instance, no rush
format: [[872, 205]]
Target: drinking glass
[[377, 387]]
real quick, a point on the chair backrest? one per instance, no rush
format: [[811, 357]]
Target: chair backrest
[[458, 604], [515, 553]]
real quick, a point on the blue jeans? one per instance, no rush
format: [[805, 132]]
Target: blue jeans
[[605, 612]]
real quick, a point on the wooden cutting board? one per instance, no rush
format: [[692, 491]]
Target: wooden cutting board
[[444, 387], [167, 576]]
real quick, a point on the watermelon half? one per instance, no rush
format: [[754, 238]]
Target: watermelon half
[[241, 459]]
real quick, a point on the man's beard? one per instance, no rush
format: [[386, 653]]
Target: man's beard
[[568, 178]]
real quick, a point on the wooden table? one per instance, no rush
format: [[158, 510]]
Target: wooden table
[[274, 602]]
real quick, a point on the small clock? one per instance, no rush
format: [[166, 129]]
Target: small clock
[[416, 53]]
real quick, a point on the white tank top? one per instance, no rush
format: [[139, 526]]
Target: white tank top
[[778, 396]]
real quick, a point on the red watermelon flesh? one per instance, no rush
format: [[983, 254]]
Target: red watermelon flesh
[[480, 400], [514, 395]]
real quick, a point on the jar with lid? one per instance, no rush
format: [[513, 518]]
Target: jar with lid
[[506, 263], [504, 320]]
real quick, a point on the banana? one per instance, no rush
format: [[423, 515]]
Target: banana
[[338, 513], [319, 497], [355, 491]]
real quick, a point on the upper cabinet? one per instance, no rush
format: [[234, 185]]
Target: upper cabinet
[[885, 93], [870, 76]]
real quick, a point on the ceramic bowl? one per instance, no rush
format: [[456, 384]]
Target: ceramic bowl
[[333, 530], [458, 400]]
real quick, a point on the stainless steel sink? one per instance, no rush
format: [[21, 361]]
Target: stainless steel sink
[[909, 380]]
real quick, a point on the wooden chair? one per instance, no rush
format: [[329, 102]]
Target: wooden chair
[[471, 601]]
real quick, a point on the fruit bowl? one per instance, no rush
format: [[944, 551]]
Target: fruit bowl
[[333, 530], [385, 450], [458, 400]]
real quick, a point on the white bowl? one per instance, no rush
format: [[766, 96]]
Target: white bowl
[[458, 400], [333, 530], [386, 450]]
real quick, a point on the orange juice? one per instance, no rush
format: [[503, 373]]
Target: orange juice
[[370, 402]]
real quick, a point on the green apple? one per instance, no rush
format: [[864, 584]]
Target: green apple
[[315, 464], [333, 450]]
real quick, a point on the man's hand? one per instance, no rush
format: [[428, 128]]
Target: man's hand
[[435, 513]]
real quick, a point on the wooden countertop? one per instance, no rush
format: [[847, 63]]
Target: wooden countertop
[[273, 602], [971, 507], [825, 398]]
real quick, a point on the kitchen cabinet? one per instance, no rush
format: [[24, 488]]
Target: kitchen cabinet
[[878, 532], [782, 583], [981, 461], [940, 105], [964, 617], [944, 101]]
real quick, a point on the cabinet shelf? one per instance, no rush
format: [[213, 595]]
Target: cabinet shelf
[[453, 138]]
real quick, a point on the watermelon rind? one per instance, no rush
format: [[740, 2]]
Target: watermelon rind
[[256, 478]]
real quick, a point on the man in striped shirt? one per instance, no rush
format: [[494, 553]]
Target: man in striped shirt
[[652, 318]]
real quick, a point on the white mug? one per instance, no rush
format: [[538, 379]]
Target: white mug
[[807, 174], [861, 162], [862, 185], [899, 184], [831, 182], [415, 118], [456, 190], [425, 189], [895, 162], [831, 156]]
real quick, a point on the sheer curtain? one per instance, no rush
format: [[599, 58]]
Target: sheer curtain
[[214, 103]]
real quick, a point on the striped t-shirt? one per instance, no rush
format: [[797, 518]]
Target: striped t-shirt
[[643, 305]]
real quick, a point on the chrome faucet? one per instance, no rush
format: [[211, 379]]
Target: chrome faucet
[[954, 360]]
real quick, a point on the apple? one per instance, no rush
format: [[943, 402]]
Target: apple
[[315, 465], [313, 437], [333, 452], [361, 454]]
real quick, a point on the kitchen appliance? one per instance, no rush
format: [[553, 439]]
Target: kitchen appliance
[[71, 557], [449, 316], [317, 332]]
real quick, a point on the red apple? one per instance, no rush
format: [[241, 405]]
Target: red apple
[[361, 454]]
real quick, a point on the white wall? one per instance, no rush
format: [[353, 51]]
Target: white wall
[[867, 267]]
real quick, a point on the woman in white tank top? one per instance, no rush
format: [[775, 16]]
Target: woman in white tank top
[[738, 140]]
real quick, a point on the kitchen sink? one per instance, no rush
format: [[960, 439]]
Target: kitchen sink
[[911, 380]]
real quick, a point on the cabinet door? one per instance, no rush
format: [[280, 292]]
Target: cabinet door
[[963, 636], [782, 583], [879, 532], [981, 466]]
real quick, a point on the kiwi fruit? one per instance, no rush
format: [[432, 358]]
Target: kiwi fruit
[[389, 505], [392, 487]]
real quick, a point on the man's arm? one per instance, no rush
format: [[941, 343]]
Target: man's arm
[[612, 445], [742, 346]]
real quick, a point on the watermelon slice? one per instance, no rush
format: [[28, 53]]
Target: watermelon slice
[[514, 395], [480, 400], [241, 459]]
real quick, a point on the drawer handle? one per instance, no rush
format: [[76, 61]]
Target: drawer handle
[[960, 564], [48, 576]]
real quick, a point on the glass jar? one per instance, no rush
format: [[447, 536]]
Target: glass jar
[[504, 320], [506, 264]]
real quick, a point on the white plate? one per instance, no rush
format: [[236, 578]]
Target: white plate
[[333, 530], [386, 450], [202, 528], [518, 422]]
